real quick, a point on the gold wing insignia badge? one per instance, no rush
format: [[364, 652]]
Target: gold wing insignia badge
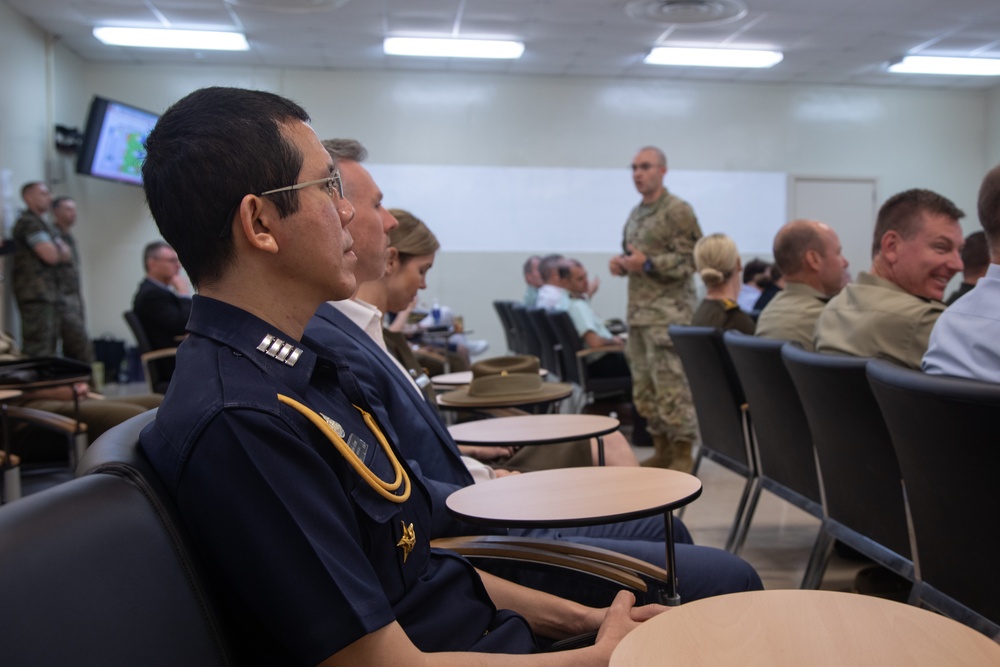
[[407, 541]]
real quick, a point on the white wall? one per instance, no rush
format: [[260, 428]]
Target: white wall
[[903, 138], [23, 129], [993, 127], [23, 104]]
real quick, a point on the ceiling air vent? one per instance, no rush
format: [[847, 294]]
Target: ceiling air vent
[[686, 11], [291, 6]]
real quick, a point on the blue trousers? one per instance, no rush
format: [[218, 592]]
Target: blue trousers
[[701, 571]]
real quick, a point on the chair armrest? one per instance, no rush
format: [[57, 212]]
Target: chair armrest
[[473, 549], [600, 349], [502, 412], [162, 353], [48, 420], [581, 359], [635, 565]]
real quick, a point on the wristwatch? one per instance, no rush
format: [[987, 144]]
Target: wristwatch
[[647, 266]]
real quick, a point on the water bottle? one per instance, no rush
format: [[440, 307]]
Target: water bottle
[[436, 313]]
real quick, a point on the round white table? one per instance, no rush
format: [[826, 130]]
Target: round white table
[[535, 430], [794, 628], [581, 497]]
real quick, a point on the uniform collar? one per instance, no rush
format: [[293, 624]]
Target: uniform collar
[[865, 278], [659, 200], [796, 287], [274, 352], [367, 317], [157, 283]]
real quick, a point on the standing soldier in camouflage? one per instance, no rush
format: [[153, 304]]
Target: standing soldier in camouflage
[[659, 261], [36, 287], [72, 330]]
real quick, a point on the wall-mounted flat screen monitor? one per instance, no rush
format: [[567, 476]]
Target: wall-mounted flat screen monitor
[[114, 141]]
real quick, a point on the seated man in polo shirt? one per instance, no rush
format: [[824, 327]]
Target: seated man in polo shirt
[[313, 528], [592, 329], [889, 312], [553, 294], [532, 280], [808, 253]]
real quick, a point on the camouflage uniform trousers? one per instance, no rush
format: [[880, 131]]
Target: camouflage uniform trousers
[[73, 330], [43, 324], [39, 328], [659, 388]]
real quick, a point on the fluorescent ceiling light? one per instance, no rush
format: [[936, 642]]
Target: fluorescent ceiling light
[[451, 48], [158, 38], [689, 57], [942, 65]]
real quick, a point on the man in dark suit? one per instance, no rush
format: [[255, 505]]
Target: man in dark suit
[[163, 302], [427, 442]]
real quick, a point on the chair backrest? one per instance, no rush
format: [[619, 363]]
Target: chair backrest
[[576, 368], [784, 442], [550, 348], [157, 365], [562, 327], [141, 339], [507, 322], [862, 485], [716, 391], [946, 432], [530, 342], [97, 571]]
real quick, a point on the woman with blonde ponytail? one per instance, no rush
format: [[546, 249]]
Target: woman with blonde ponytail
[[718, 263]]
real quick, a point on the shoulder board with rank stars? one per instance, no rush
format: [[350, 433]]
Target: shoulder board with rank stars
[[284, 352]]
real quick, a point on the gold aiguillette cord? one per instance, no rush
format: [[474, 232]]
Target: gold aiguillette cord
[[383, 488]]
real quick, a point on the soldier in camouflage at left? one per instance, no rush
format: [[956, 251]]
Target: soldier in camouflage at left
[[72, 326], [658, 260], [36, 279]]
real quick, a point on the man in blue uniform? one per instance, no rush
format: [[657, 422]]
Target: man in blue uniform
[[313, 527]]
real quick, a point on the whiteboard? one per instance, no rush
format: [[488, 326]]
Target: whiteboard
[[569, 210]]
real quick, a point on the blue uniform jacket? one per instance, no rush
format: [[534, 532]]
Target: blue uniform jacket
[[422, 435], [308, 556]]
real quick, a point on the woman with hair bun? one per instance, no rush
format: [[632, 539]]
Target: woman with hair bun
[[718, 263]]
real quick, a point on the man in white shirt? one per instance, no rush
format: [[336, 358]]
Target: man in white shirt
[[963, 341], [554, 293]]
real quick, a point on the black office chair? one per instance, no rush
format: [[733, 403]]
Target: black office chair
[[574, 362], [98, 571], [786, 461], [510, 333], [49, 446], [550, 356], [157, 365], [723, 418], [862, 485], [946, 433], [530, 341]]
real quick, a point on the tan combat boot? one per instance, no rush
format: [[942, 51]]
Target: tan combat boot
[[664, 456], [682, 460]]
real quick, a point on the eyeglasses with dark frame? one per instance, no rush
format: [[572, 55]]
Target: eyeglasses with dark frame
[[334, 185]]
